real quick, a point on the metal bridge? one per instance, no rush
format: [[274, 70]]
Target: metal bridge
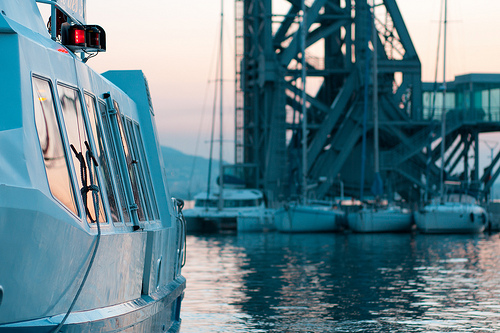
[[339, 53]]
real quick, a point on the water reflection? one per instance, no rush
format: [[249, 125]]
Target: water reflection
[[342, 283]]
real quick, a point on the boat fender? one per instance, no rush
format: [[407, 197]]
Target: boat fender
[[472, 217], [1, 295]]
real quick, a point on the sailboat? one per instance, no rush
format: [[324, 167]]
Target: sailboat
[[450, 213], [378, 218], [219, 211], [304, 216]]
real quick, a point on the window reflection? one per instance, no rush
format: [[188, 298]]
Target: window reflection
[[77, 135], [147, 174], [130, 162], [102, 157], [114, 162], [138, 169], [51, 144]]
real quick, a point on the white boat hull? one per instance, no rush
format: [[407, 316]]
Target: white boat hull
[[380, 220], [305, 218], [206, 217], [494, 215], [451, 217], [260, 221]]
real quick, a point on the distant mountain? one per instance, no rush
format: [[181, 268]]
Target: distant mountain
[[187, 174]]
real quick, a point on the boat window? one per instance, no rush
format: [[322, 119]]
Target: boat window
[[113, 158], [77, 136], [205, 203], [130, 162], [241, 203], [49, 135], [140, 166], [147, 174], [101, 156], [136, 173]]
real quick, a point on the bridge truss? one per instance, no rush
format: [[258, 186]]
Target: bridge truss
[[339, 53]]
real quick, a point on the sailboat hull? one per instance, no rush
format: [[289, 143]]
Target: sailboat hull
[[451, 217], [380, 220], [258, 221], [305, 218]]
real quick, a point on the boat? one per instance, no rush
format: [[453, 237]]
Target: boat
[[493, 209], [206, 217], [261, 220], [457, 214], [378, 217], [304, 216], [389, 218], [309, 218], [218, 211], [90, 239], [450, 213]]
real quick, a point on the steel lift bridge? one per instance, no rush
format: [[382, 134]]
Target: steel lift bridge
[[339, 52]]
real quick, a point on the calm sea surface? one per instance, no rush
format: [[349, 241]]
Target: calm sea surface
[[274, 282]]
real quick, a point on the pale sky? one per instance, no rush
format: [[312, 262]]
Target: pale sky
[[175, 44]]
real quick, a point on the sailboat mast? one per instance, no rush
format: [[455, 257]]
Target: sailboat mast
[[443, 116], [375, 94], [221, 166], [303, 97]]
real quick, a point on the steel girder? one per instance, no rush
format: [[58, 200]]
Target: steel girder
[[338, 49]]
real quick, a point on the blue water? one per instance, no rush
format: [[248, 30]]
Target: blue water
[[274, 282]]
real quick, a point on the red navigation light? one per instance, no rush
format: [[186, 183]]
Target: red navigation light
[[88, 38], [73, 36], [96, 38], [78, 35]]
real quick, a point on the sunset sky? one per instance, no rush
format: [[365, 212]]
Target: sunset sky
[[175, 44]]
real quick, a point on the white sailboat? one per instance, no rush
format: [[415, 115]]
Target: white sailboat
[[219, 211], [456, 214], [379, 218], [206, 216], [383, 219], [305, 217], [452, 213]]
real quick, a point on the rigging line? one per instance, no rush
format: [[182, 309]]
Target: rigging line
[[214, 109], [433, 104], [207, 86], [365, 111]]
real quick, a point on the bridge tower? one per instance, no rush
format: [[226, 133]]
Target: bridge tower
[[339, 53]]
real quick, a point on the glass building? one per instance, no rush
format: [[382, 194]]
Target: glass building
[[471, 97]]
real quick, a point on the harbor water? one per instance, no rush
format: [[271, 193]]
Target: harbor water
[[346, 282]]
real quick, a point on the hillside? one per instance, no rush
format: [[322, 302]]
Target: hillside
[[180, 171]]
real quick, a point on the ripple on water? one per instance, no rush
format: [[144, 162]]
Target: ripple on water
[[275, 282]]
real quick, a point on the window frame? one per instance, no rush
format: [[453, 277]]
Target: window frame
[[64, 142], [116, 170], [83, 108], [93, 145]]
